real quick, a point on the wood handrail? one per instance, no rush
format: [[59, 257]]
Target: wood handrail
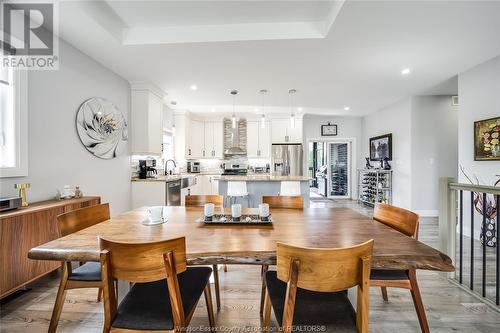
[[475, 188]]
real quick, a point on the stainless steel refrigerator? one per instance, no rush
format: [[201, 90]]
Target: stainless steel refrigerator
[[287, 159]]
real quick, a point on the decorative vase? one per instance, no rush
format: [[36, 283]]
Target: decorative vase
[[491, 232]]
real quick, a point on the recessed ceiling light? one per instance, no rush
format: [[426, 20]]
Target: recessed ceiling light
[[347, 108], [212, 109], [193, 87], [299, 109], [256, 110], [405, 71]]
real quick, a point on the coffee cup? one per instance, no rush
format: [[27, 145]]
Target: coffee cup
[[155, 213], [236, 212]]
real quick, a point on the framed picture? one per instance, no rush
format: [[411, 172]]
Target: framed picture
[[328, 130], [381, 147], [486, 140]]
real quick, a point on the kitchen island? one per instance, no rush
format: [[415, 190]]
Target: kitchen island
[[261, 185]]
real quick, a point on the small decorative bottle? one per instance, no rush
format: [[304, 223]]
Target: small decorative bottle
[[78, 192]]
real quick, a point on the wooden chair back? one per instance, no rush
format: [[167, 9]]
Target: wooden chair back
[[325, 270], [82, 218], [143, 262], [283, 201], [200, 200], [402, 220]]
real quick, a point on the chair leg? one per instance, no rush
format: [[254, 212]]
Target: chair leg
[[417, 301], [263, 290], [210, 310], [58, 305], [216, 285], [384, 293], [267, 313], [99, 295]]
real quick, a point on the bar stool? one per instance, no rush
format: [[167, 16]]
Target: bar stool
[[290, 188], [237, 189]]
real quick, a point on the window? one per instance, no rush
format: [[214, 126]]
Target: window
[[13, 123], [168, 146]]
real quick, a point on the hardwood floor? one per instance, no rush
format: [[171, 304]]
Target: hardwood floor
[[449, 309]]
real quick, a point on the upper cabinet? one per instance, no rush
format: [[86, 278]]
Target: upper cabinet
[[214, 137], [195, 139], [258, 139], [202, 139], [146, 118], [283, 133]]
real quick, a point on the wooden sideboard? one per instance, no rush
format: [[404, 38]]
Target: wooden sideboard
[[25, 228]]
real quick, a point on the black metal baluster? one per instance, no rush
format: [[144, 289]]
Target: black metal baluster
[[461, 234], [484, 245], [471, 240], [498, 252]]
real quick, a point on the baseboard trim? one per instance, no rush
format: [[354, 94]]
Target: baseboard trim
[[427, 213]]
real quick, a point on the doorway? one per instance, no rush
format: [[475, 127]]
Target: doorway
[[330, 168]]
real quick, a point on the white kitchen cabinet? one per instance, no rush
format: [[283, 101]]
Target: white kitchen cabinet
[[258, 139], [218, 139], [283, 133], [295, 134], [148, 193], [146, 119], [213, 143], [195, 139], [214, 185]]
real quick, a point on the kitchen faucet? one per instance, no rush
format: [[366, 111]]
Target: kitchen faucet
[[166, 162]]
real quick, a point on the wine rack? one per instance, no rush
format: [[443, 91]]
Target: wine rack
[[375, 186]]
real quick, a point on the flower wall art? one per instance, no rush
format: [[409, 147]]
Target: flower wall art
[[487, 140], [102, 128]]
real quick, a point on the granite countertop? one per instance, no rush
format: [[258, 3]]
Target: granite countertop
[[167, 178], [164, 178], [262, 178]]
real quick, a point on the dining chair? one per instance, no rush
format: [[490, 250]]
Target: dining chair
[[283, 201], [407, 223], [310, 286], [165, 291], [199, 201], [87, 275], [277, 201]]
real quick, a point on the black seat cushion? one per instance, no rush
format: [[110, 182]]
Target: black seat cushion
[[333, 310], [90, 271], [388, 274], [147, 305]]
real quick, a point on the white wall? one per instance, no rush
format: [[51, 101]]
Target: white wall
[[434, 149], [479, 93], [56, 155], [395, 119], [478, 90], [347, 128]]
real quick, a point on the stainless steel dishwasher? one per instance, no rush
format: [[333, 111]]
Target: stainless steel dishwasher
[[174, 190], [173, 195]]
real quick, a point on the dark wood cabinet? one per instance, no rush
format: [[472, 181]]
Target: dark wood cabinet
[[25, 228]]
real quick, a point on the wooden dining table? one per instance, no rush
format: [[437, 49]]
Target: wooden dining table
[[251, 244]]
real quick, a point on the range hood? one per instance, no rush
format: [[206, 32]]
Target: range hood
[[235, 139]]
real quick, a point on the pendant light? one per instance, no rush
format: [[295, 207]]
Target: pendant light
[[292, 114], [263, 92], [233, 117]]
